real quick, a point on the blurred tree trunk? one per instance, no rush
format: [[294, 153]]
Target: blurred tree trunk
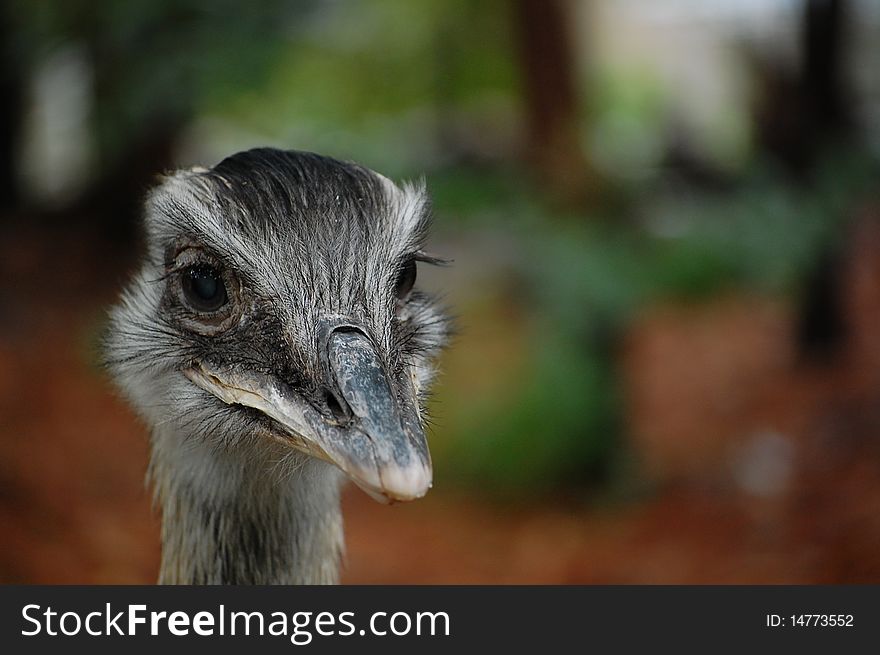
[[823, 66], [826, 118], [801, 112], [129, 157], [114, 199], [12, 90], [551, 99]]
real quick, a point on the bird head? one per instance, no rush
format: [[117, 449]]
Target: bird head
[[276, 307]]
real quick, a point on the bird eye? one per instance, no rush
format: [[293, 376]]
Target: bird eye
[[203, 288], [406, 279]]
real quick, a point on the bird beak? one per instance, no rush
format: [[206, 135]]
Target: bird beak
[[379, 443]]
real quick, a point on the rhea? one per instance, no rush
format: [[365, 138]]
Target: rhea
[[275, 344]]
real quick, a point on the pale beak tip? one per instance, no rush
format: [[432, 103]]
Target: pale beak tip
[[406, 483], [395, 484]]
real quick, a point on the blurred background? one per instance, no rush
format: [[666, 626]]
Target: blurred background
[[664, 217]]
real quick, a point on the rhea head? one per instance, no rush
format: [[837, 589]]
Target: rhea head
[[275, 321]]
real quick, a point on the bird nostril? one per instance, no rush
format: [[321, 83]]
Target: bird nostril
[[336, 409]]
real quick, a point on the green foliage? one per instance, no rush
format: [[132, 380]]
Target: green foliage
[[555, 417], [557, 424], [626, 131], [375, 81]]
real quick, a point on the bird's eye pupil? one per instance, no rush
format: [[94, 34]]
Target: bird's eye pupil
[[406, 279], [204, 288]]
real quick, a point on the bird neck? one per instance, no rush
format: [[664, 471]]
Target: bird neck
[[227, 519]]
